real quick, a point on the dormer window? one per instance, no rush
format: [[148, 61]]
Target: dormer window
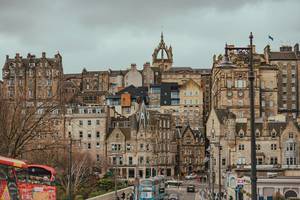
[[241, 134], [257, 133], [273, 134]]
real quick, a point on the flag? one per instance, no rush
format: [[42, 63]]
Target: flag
[[271, 38]]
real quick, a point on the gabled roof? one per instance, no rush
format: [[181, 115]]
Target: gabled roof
[[125, 131], [196, 133], [189, 81]]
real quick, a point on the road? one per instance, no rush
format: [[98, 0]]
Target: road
[[183, 194]]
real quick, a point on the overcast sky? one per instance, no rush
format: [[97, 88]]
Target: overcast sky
[[101, 34]]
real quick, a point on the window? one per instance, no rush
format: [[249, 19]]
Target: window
[[263, 103], [128, 147], [141, 146], [241, 147], [141, 160], [49, 82], [80, 134], [97, 134], [89, 145], [98, 145], [291, 135], [89, 122], [273, 147], [120, 160], [241, 161], [80, 122], [229, 83], [258, 147], [240, 102], [130, 160], [49, 93], [97, 122], [271, 104], [259, 161], [273, 161], [240, 83], [98, 158], [89, 135], [223, 161]]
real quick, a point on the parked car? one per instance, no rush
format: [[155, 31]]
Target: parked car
[[191, 176], [190, 188], [173, 196]]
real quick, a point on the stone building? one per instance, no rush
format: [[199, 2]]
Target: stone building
[[276, 145], [1, 88], [191, 105], [116, 80], [230, 85], [36, 79], [287, 61], [93, 81], [87, 126], [191, 151], [141, 145], [201, 77]]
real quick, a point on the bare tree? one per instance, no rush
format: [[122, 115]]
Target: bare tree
[[81, 171], [27, 126]]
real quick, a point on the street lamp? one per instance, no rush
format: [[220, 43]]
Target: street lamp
[[248, 51]]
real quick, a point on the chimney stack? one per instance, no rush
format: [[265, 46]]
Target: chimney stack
[[43, 54], [296, 48], [133, 66], [7, 57]]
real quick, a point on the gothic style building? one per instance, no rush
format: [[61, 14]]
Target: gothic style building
[[32, 78]]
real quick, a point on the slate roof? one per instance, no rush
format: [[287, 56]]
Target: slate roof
[[241, 126], [134, 91], [224, 114], [282, 56], [277, 126]]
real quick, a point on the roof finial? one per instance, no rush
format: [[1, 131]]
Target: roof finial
[[162, 36]]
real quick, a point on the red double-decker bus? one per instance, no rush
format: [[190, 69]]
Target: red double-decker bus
[[19, 181]]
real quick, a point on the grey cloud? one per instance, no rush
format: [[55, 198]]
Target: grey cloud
[[96, 34]]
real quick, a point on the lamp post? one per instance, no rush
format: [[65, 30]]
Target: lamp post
[[220, 185], [248, 51]]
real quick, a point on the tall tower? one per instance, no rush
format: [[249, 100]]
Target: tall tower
[[162, 56]]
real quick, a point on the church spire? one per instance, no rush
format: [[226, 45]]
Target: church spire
[[162, 56], [162, 37]]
